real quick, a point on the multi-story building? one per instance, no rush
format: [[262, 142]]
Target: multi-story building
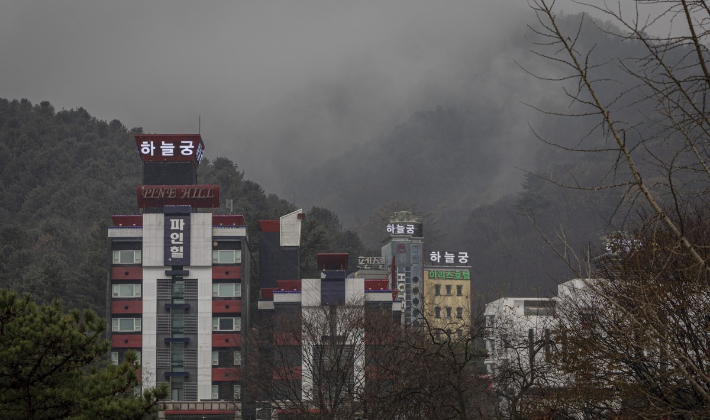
[[512, 324], [447, 298], [178, 281], [279, 247], [522, 351], [404, 255], [313, 341]]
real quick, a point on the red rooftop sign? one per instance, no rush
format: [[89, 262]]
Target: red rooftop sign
[[197, 196], [170, 147]]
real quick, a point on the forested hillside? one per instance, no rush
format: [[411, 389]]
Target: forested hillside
[[468, 167], [63, 174]]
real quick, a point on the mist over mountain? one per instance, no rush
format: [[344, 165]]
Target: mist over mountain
[[468, 161], [450, 140], [445, 159], [466, 144]]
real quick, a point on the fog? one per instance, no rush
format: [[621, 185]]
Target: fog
[[279, 86]]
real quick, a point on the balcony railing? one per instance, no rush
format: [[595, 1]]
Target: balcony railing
[[165, 289]]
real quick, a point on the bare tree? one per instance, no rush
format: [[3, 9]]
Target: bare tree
[[349, 362], [309, 364], [521, 349], [635, 340], [653, 119]]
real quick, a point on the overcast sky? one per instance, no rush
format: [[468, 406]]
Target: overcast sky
[[302, 79]]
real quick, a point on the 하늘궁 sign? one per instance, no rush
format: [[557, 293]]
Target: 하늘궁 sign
[[170, 147]]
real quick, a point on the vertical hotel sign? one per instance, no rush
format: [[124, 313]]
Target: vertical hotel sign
[[177, 239]]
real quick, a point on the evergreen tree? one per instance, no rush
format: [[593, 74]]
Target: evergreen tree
[[51, 366]]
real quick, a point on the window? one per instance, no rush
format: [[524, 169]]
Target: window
[[215, 358], [437, 290], [448, 290], [459, 290], [126, 324], [177, 388], [226, 289], [177, 357], [333, 359], [237, 392], [448, 312], [227, 324], [437, 312], [178, 292], [127, 257], [177, 322], [126, 290], [137, 391], [227, 257], [459, 313], [114, 357], [215, 392], [539, 308], [237, 358]]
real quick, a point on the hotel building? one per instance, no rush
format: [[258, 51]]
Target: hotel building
[[178, 284]]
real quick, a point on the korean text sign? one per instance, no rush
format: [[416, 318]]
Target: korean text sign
[[405, 228], [170, 147], [177, 240], [449, 274], [447, 257]]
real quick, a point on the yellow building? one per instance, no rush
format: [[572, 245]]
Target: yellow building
[[447, 298]]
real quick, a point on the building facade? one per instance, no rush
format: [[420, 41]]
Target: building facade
[[179, 281], [447, 298], [404, 254], [314, 346]]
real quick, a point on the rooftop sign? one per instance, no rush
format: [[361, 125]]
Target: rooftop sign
[[411, 229], [196, 196], [371, 262], [170, 147], [447, 257]]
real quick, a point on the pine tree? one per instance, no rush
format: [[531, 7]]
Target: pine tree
[[52, 366]]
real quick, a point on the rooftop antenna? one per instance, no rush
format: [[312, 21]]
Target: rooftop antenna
[[199, 124]]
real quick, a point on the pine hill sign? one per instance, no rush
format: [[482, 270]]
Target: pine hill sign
[[197, 196]]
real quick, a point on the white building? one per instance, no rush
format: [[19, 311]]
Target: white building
[[513, 327], [522, 348]]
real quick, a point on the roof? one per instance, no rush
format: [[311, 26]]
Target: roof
[[334, 261]]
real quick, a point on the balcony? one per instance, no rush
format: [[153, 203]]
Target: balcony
[[163, 357], [164, 324], [165, 289]]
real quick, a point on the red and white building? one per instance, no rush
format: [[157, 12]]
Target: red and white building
[[179, 283]]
